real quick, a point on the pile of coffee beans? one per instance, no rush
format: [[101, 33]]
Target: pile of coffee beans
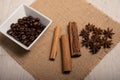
[[26, 30]]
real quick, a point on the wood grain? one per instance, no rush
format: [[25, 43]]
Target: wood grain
[[9, 68]]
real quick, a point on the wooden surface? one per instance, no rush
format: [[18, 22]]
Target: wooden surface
[[9, 68], [81, 12], [108, 69]]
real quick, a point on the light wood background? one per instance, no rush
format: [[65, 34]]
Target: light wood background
[[107, 69], [9, 68]]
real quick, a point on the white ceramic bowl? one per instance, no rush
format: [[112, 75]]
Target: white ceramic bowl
[[20, 12]]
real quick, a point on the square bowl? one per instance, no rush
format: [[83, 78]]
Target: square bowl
[[20, 12]]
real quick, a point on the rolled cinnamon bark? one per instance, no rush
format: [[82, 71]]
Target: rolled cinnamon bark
[[55, 43], [74, 39], [66, 58]]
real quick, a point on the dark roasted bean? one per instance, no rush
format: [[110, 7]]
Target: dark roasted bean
[[10, 32], [23, 36]]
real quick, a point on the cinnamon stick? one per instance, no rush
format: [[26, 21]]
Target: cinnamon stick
[[74, 39], [55, 43], [66, 59]]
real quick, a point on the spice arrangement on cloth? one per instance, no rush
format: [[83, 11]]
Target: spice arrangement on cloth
[[36, 61]]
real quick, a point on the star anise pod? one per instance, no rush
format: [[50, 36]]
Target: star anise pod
[[108, 33], [96, 38], [106, 43], [84, 34], [97, 31], [95, 48], [89, 27], [87, 43]]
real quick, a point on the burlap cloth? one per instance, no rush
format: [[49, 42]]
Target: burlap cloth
[[36, 61]]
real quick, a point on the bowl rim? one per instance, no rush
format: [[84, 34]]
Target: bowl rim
[[17, 42]]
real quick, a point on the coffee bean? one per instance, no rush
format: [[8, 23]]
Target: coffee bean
[[22, 32], [39, 31], [36, 35], [32, 29], [16, 37], [23, 37], [24, 18], [25, 25], [25, 42], [32, 38], [42, 26], [28, 43], [27, 33], [31, 24], [10, 32], [36, 23], [37, 19], [13, 25], [32, 33], [20, 21], [33, 20], [19, 36], [30, 17], [21, 28]]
